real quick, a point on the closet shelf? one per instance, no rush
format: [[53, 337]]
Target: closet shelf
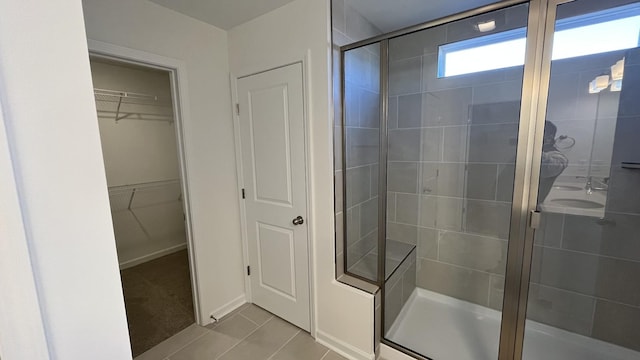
[[121, 105]]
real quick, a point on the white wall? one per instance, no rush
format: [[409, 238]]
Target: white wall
[[136, 151], [142, 25], [148, 223], [52, 129], [343, 315]]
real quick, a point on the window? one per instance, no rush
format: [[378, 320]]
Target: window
[[594, 33]]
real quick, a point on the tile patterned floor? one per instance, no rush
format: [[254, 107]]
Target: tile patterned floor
[[248, 333]]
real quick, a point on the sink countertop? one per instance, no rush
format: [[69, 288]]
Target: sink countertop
[[599, 197]]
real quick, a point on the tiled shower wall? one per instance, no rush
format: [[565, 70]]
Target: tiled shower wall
[[585, 270], [452, 145], [362, 102]]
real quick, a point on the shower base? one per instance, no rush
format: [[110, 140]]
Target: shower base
[[445, 328]]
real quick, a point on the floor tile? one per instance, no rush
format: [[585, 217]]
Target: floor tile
[[302, 346], [174, 343], [256, 314], [264, 342], [332, 355], [237, 327], [207, 347]]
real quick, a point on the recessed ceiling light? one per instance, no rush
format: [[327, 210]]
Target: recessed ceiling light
[[486, 26]]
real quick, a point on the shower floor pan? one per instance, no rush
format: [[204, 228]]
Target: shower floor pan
[[445, 328]]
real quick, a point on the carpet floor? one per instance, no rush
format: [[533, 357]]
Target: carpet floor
[[158, 300]]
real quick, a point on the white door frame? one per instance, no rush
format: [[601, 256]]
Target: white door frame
[[178, 75], [304, 61]]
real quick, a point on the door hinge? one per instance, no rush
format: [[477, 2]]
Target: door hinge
[[534, 220], [243, 195], [237, 109], [248, 270]]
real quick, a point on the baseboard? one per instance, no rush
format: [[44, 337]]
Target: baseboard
[[227, 308], [152, 256], [342, 348]]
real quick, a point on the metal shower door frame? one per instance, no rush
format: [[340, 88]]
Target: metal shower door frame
[[540, 29]]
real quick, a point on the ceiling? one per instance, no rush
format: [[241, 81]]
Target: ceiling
[[390, 15], [224, 14]]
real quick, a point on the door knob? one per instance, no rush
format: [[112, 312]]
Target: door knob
[[298, 221]]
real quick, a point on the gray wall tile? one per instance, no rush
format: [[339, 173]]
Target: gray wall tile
[[427, 243], [358, 185], [496, 113], [407, 208], [506, 176], [488, 218], [617, 280], [403, 233], [449, 213], [369, 109], [391, 206], [404, 76], [408, 281], [428, 213], [362, 146], [550, 231], [393, 304], [617, 323], [392, 117], [563, 96], [402, 177], [565, 270], [429, 179], [352, 104], [481, 181], [493, 143], [451, 179], [404, 145], [562, 309], [503, 98], [455, 143], [410, 111], [464, 284], [446, 107], [496, 292], [472, 251], [432, 144], [368, 216], [353, 225], [417, 44]]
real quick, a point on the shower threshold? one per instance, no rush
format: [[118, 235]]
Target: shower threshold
[[445, 328]]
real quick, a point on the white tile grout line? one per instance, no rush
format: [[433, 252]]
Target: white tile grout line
[[283, 345], [244, 338], [189, 343], [240, 314], [325, 354]]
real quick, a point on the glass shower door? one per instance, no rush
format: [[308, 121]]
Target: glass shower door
[[454, 103], [584, 293]]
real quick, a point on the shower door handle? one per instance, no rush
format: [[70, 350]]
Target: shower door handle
[[298, 221]]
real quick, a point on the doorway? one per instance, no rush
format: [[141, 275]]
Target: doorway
[[141, 150], [503, 140], [271, 118]]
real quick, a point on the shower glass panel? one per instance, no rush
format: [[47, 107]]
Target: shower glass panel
[[361, 139], [454, 111], [584, 293]]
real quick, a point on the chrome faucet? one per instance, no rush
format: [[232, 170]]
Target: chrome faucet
[[599, 185]]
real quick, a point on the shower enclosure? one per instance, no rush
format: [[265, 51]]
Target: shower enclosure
[[492, 166]]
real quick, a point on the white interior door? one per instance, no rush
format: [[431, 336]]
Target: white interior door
[[273, 159]]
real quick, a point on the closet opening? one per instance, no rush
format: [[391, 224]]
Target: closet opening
[[142, 148]]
